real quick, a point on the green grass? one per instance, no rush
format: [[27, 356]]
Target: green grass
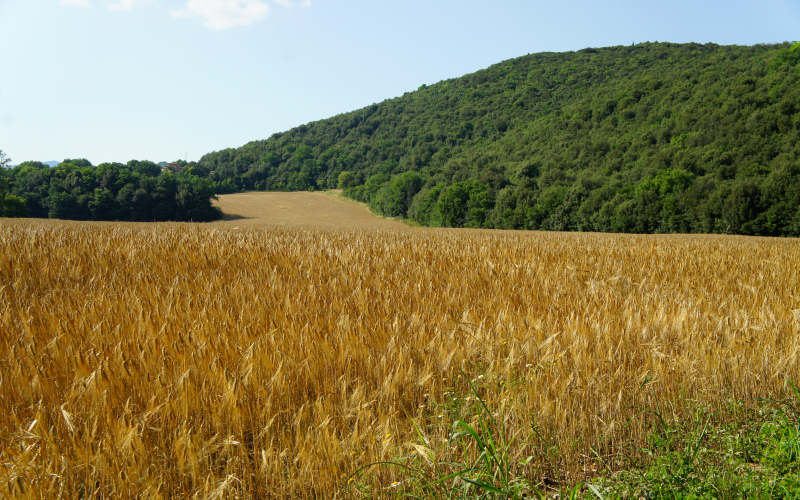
[[742, 451], [756, 455]]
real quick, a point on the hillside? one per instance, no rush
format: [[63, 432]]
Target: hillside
[[648, 138]]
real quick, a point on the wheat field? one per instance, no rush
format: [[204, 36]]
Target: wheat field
[[180, 360], [299, 209]]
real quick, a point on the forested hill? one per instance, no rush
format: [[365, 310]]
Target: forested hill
[[648, 138]]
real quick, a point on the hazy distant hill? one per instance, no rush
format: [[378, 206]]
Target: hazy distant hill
[[647, 138], [48, 163]]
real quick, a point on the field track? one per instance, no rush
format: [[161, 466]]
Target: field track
[[299, 209]]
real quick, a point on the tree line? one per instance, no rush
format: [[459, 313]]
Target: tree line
[[654, 137], [75, 189]]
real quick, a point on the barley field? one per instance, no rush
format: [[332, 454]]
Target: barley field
[[238, 361]]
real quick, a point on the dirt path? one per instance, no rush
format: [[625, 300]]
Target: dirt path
[[321, 210]]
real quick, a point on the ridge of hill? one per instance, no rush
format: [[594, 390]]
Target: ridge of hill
[[654, 137]]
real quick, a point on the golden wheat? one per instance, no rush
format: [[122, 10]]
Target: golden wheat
[[182, 360]]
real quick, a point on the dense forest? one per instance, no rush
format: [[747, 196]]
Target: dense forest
[[653, 137], [74, 189]]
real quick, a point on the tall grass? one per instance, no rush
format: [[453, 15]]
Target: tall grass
[[180, 360]]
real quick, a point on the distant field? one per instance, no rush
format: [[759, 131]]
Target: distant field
[[299, 209], [250, 359]]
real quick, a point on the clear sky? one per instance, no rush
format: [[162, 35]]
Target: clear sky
[[114, 80]]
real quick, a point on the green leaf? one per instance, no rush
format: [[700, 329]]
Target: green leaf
[[595, 490], [486, 487]]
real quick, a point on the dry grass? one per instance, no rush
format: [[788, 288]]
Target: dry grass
[[308, 210], [187, 360]]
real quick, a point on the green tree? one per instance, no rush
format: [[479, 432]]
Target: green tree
[[742, 205], [123, 206], [13, 206], [372, 186], [789, 56], [394, 198], [62, 205], [103, 206], [347, 179], [452, 204], [465, 203], [424, 207], [75, 189]]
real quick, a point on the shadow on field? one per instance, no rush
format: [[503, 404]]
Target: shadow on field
[[233, 217]]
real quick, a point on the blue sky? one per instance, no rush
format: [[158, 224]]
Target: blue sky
[[114, 80]]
